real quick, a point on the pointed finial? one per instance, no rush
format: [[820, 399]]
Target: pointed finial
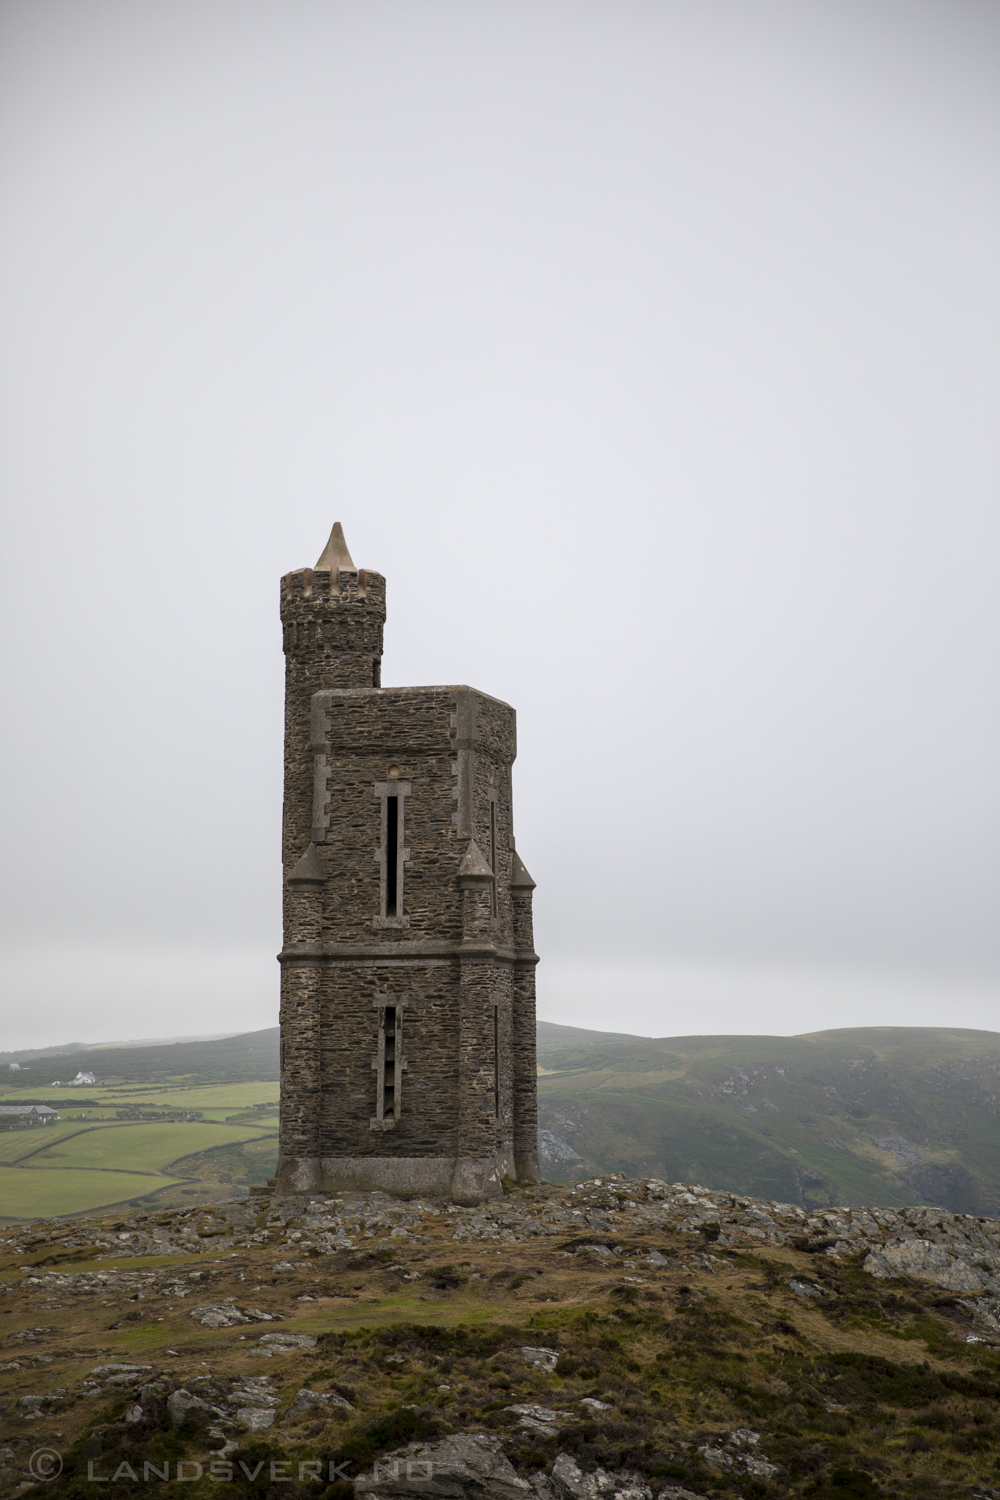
[[335, 555]]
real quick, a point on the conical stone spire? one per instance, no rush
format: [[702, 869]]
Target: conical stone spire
[[335, 556], [310, 869], [474, 866]]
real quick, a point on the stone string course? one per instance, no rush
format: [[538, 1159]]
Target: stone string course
[[959, 1252]]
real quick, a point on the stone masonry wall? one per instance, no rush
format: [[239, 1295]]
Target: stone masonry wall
[[364, 740], [448, 1090], [330, 640], [429, 1122]]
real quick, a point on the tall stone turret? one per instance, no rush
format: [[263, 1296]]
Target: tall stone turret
[[408, 967]]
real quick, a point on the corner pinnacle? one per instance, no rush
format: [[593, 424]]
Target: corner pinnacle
[[335, 555], [310, 869], [474, 866]]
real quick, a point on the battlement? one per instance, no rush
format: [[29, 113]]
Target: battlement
[[314, 589], [333, 583]]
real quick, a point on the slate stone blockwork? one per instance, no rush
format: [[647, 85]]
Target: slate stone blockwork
[[408, 998]]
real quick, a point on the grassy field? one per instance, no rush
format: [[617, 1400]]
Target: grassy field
[[138, 1148], [15, 1144], [213, 1174], [42, 1195], [227, 1096], [203, 1096], [78, 1165]]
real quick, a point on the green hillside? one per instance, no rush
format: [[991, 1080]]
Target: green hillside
[[878, 1115], [250, 1057]]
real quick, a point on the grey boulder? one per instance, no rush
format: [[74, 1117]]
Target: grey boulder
[[181, 1404], [542, 1359], [255, 1418], [568, 1482], [218, 1315], [287, 1343], [737, 1456], [467, 1466], [540, 1419], [307, 1400], [806, 1288]]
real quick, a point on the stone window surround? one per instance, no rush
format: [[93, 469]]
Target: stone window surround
[[380, 1120]]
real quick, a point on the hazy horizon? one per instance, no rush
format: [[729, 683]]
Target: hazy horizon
[[650, 351], [164, 1041]]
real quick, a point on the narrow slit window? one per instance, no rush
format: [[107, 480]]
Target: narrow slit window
[[493, 854], [391, 854], [496, 1062], [389, 1061]]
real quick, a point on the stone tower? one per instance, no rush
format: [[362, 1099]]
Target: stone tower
[[407, 971]]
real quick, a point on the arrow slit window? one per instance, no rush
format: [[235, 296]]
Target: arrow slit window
[[496, 1062], [493, 854], [392, 854]]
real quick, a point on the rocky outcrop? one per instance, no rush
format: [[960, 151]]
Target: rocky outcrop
[[568, 1482], [183, 1406], [929, 1262], [542, 1359], [600, 1218], [227, 1314], [736, 1453], [473, 1466], [307, 1400], [470, 1465]]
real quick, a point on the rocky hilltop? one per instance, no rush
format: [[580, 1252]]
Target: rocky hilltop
[[616, 1338], [960, 1252]]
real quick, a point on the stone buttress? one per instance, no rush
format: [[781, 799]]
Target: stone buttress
[[408, 966]]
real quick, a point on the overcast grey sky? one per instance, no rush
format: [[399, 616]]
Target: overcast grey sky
[[649, 349]]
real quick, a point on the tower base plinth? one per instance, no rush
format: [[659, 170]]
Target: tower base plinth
[[462, 1179]]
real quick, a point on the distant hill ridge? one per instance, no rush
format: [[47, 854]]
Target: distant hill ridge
[[66, 1048], [882, 1115], [246, 1057]]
